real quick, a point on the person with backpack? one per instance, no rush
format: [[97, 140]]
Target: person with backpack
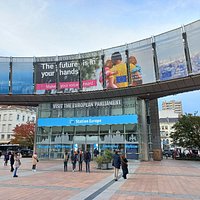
[[87, 159]]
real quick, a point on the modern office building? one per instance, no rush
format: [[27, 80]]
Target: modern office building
[[10, 116], [173, 105]]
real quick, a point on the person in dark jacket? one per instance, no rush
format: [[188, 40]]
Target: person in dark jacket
[[74, 160], [116, 164], [66, 159], [124, 163], [80, 160], [12, 160], [87, 159]]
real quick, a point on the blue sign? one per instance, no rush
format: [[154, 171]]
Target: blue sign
[[108, 146], [131, 146], [89, 121]]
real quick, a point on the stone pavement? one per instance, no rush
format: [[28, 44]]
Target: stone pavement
[[165, 180]]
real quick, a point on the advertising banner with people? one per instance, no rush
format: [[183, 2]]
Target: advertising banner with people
[[22, 78], [90, 72], [46, 77], [115, 68], [68, 75], [140, 62], [170, 54], [4, 75], [193, 38]]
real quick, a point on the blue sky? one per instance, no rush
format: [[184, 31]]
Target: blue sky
[[60, 27]]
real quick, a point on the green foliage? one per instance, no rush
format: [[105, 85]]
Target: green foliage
[[105, 158], [187, 131], [88, 68]]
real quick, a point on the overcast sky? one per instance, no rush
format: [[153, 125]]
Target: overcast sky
[[60, 27]]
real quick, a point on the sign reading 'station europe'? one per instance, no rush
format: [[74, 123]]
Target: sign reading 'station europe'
[[88, 121]]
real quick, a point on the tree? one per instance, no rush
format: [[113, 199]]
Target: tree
[[187, 131], [24, 135]]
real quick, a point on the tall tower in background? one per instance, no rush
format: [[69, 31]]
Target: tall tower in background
[[176, 106]]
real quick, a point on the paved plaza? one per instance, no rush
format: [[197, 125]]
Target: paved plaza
[[154, 180]]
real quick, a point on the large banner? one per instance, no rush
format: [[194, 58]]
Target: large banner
[[22, 78], [90, 72], [115, 68], [141, 63], [170, 54], [4, 76], [193, 38], [46, 77], [68, 76]]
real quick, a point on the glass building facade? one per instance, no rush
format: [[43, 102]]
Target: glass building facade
[[102, 124]]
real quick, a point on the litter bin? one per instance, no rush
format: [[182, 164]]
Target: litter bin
[[157, 154]]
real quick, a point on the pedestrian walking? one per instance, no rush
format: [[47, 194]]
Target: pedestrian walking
[[116, 164], [66, 159], [6, 159], [17, 163], [124, 163], [12, 160], [87, 159], [34, 162]]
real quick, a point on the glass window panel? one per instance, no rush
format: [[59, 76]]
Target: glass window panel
[[69, 129], [56, 113], [92, 129], [4, 75], [116, 110], [105, 129], [80, 129], [92, 139], [131, 138], [117, 128], [68, 112], [141, 63], [81, 112], [130, 128], [193, 37], [22, 76], [44, 113], [129, 104], [104, 111], [43, 135], [170, 54], [56, 134]]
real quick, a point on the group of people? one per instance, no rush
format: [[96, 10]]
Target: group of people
[[15, 161], [77, 156], [74, 157]]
